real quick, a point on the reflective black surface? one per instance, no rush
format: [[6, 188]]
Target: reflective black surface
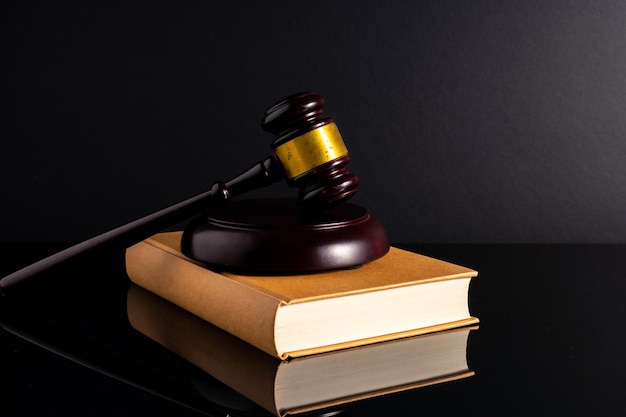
[[550, 342]]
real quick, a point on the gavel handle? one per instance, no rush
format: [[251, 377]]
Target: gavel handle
[[259, 175]]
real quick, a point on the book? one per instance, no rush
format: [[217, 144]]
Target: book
[[301, 385], [401, 294]]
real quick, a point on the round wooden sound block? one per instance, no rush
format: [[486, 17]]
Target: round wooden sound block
[[274, 237]]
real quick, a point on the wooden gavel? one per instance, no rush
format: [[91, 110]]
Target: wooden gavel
[[308, 152]]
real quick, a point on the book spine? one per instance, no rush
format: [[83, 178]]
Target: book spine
[[227, 304]]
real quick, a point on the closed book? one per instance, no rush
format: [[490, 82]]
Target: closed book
[[301, 385], [401, 294]]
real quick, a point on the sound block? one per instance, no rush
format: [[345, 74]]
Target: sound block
[[274, 237]]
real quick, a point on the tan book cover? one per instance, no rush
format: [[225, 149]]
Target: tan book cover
[[398, 295], [306, 384]]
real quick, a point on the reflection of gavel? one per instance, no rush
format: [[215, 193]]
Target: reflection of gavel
[[309, 152]]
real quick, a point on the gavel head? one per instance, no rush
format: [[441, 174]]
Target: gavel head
[[311, 151]]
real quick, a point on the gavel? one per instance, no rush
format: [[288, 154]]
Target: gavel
[[308, 152]]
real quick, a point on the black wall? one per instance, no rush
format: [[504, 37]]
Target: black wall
[[467, 121]]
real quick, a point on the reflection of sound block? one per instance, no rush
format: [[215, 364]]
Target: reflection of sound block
[[272, 236]]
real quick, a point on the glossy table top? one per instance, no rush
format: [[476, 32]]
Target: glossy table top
[[551, 341]]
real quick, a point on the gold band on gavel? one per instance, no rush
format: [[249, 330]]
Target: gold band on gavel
[[310, 150]]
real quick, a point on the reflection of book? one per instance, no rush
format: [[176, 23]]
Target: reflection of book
[[398, 295], [303, 384]]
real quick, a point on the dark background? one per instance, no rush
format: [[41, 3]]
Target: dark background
[[467, 121]]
